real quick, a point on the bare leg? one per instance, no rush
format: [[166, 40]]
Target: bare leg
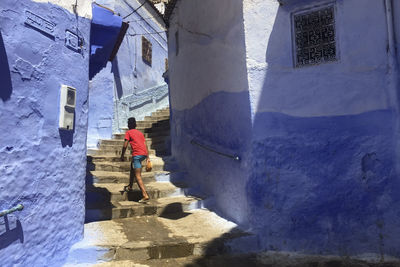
[[138, 174], [131, 177]]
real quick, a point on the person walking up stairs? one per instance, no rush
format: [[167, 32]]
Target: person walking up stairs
[[139, 153]]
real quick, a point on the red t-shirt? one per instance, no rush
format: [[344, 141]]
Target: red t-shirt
[[137, 141]]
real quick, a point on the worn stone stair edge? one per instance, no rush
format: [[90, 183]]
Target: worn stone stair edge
[[116, 188], [127, 209], [150, 140], [123, 177], [158, 176], [124, 168], [117, 159], [99, 156], [146, 135], [252, 259], [116, 151], [189, 203], [115, 192], [145, 250]]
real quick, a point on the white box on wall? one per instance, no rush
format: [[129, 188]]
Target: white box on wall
[[67, 107]]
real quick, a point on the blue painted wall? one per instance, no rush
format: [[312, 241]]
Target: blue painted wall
[[138, 88], [42, 167], [104, 32], [210, 101], [101, 106], [319, 144]]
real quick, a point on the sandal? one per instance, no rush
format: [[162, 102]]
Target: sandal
[[127, 188], [143, 200]]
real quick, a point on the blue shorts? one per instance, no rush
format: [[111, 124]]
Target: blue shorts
[[137, 161]]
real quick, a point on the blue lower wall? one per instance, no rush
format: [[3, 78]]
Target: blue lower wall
[[41, 167], [325, 185], [222, 122], [318, 185]]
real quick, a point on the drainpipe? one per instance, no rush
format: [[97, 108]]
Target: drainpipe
[[392, 57]]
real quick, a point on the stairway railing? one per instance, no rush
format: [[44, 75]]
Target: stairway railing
[[234, 157], [19, 207]]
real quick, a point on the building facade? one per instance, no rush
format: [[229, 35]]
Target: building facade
[[300, 101], [44, 62], [132, 84]]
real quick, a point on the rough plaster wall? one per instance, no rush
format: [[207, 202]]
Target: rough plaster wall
[[208, 52], [323, 140], [296, 91], [101, 106], [83, 7], [41, 167], [210, 101]]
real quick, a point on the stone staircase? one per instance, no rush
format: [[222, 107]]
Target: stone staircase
[[172, 229]]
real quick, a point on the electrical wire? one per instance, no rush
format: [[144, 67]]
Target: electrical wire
[[147, 33], [134, 10], [142, 19]]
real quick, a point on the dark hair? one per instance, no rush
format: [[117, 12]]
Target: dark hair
[[131, 123]]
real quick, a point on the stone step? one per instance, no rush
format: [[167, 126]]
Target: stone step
[[161, 147], [157, 117], [110, 166], [149, 124], [153, 129], [99, 177], [161, 112], [146, 135], [110, 150], [111, 158], [126, 209], [183, 234], [112, 192], [116, 151], [120, 142], [227, 260], [153, 122], [260, 259]]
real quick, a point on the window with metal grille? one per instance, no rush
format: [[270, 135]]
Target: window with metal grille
[[315, 36], [146, 51]]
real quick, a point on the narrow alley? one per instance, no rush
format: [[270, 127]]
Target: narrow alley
[[199, 133]]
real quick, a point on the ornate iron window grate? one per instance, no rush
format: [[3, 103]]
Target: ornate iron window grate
[[146, 51], [315, 36]]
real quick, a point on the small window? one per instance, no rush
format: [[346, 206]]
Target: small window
[[166, 64], [315, 36], [146, 51]]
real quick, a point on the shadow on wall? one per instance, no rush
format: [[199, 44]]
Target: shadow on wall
[[67, 136], [318, 182], [10, 236], [98, 206], [5, 77], [117, 77]]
